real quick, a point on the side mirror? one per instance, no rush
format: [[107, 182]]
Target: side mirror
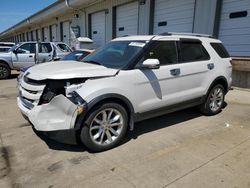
[[15, 51], [151, 64]]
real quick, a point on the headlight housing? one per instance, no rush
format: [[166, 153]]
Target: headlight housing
[[76, 98], [69, 89]]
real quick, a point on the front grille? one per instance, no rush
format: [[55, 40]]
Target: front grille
[[33, 92], [29, 92], [33, 82]]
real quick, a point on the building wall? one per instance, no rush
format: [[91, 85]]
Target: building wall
[[207, 16]]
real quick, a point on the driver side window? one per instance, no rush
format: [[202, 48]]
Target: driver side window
[[27, 48], [164, 51]]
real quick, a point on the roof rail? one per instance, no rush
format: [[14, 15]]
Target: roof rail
[[187, 34]]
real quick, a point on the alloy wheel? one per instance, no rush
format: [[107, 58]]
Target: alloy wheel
[[106, 126], [3, 72], [216, 99]]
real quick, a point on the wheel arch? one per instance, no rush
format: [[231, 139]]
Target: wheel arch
[[5, 62], [117, 98], [219, 80]]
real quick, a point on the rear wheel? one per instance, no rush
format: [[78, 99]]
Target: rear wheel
[[4, 71], [104, 127], [214, 101]]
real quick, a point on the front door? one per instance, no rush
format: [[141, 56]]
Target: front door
[[159, 87], [24, 55]]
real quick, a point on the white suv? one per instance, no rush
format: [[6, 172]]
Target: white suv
[[128, 80]]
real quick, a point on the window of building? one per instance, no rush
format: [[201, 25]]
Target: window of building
[[240, 14]]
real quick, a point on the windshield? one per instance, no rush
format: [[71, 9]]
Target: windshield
[[76, 55], [14, 47], [116, 54]]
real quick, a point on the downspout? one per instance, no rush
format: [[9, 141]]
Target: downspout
[[85, 23], [68, 5]]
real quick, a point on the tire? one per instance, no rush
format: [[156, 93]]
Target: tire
[[98, 133], [214, 101], [4, 71]]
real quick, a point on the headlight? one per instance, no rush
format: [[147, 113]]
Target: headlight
[[76, 98], [69, 89], [20, 76]]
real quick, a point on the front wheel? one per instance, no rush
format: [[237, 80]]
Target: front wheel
[[214, 101], [104, 127], [4, 71]]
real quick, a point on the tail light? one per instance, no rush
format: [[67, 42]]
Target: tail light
[[231, 62]]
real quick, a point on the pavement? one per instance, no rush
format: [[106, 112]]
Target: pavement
[[182, 149]]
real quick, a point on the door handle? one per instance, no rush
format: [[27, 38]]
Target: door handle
[[49, 55], [30, 55], [210, 66], [175, 72]]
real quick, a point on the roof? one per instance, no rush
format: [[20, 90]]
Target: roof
[[165, 36]]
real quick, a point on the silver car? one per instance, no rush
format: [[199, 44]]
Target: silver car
[[26, 54]]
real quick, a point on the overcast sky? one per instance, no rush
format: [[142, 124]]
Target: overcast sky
[[14, 11]]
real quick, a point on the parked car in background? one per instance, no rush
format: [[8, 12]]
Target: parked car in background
[[76, 55], [26, 54], [4, 49], [62, 49], [130, 79], [7, 44]]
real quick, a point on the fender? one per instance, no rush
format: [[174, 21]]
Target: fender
[[222, 80], [2, 60], [112, 96]]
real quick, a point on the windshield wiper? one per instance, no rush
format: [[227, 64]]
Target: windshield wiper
[[93, 62]]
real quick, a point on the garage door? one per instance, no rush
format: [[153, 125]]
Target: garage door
[[66, 32], [34, 35], [45, 33], [98, 28], [53, 33], [127, 19], [39, 33], [30, 36], [235, 27], [173, 16]]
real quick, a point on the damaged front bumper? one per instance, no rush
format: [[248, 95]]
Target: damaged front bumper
[[59, 114]]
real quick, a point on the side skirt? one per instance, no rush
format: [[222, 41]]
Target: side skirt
[[169, 109]]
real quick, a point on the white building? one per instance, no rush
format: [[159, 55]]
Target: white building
[[102, 20]]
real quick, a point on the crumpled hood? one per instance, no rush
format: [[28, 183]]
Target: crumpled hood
[[67, 70]]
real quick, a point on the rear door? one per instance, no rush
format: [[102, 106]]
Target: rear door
[[194, 65], [45, 52], [24, 56]]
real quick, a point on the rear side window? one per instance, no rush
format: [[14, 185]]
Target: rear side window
[[164, 51], [63, 47], [45, 48], [190, 51], [220, 50]]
